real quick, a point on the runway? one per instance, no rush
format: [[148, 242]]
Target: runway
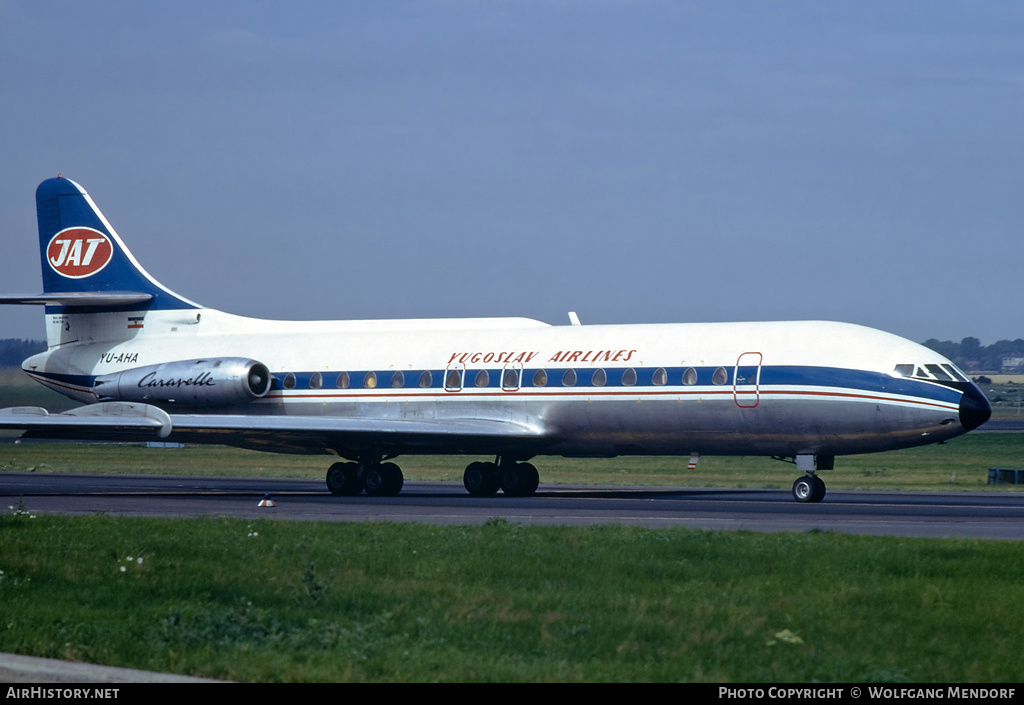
[[992, 515]]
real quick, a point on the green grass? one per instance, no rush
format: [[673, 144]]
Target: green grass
[[279, 601], [961, 464]]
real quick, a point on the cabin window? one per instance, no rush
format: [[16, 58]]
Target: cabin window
[[316, 381], [660, 377], [370, 380], [453, 380], [289, 380], [398, 380], [343, 381], [569, 378], [540, 378], [690, 377], [599, 379], [629, 377], [510, 380], [720, 376], [482, 378], [426, 379]]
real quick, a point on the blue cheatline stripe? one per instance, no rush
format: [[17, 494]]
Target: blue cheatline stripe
[[773, 379]]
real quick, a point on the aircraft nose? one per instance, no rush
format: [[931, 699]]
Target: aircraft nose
[[974, 408]]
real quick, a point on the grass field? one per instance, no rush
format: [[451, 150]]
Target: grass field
[[280, 601], [961, 464]]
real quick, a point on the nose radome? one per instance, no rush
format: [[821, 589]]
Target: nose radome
[[974, 408]]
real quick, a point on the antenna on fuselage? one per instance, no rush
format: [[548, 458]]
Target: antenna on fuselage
[[574, 319]]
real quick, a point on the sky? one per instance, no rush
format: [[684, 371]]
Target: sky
[[635, 161]]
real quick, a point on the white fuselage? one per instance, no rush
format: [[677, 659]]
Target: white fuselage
[[785, 388]]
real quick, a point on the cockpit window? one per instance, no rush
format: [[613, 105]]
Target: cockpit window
[[934, 372], [957, 374], [940, 374]]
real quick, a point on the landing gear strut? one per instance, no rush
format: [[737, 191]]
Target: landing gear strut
[[378, 479]]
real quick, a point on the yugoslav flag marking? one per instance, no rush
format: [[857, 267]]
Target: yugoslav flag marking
[[79, 252]]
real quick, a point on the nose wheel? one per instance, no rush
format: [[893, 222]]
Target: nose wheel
[[809, 489]]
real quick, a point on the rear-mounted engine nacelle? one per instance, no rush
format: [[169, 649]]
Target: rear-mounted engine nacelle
[[211, 382]]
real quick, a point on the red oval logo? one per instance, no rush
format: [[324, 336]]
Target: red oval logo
[[79, 252]]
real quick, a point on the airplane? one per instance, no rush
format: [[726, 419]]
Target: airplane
[[150, 364]]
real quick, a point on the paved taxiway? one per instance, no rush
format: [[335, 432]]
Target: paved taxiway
[[996, 515]]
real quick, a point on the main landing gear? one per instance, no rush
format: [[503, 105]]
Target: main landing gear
[[378, 479], [512, 478], [386, 480]]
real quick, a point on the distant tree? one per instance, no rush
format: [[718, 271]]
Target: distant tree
[[970, 354], [945, 348], [970, 349]]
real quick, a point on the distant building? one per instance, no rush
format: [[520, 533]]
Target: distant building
[[1013, 363]]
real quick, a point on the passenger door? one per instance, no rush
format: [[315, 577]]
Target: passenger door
[[746, 384]]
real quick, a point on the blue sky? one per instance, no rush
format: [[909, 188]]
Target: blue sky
[[634, 161]]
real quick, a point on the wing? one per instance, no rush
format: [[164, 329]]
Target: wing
[[345, 436], [113, 421]]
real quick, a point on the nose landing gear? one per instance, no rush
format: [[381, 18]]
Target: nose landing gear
[[810, 488]]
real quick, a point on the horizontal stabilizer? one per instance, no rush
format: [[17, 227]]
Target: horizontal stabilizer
[[72, 299]]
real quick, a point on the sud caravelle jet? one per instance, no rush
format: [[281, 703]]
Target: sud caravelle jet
[[152, 365]]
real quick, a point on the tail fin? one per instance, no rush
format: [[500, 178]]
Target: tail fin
[[85, 263]]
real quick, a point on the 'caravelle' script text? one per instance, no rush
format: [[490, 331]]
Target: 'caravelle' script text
[[203, 379]]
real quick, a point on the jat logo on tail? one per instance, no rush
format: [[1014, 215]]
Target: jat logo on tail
[[79, 252]]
